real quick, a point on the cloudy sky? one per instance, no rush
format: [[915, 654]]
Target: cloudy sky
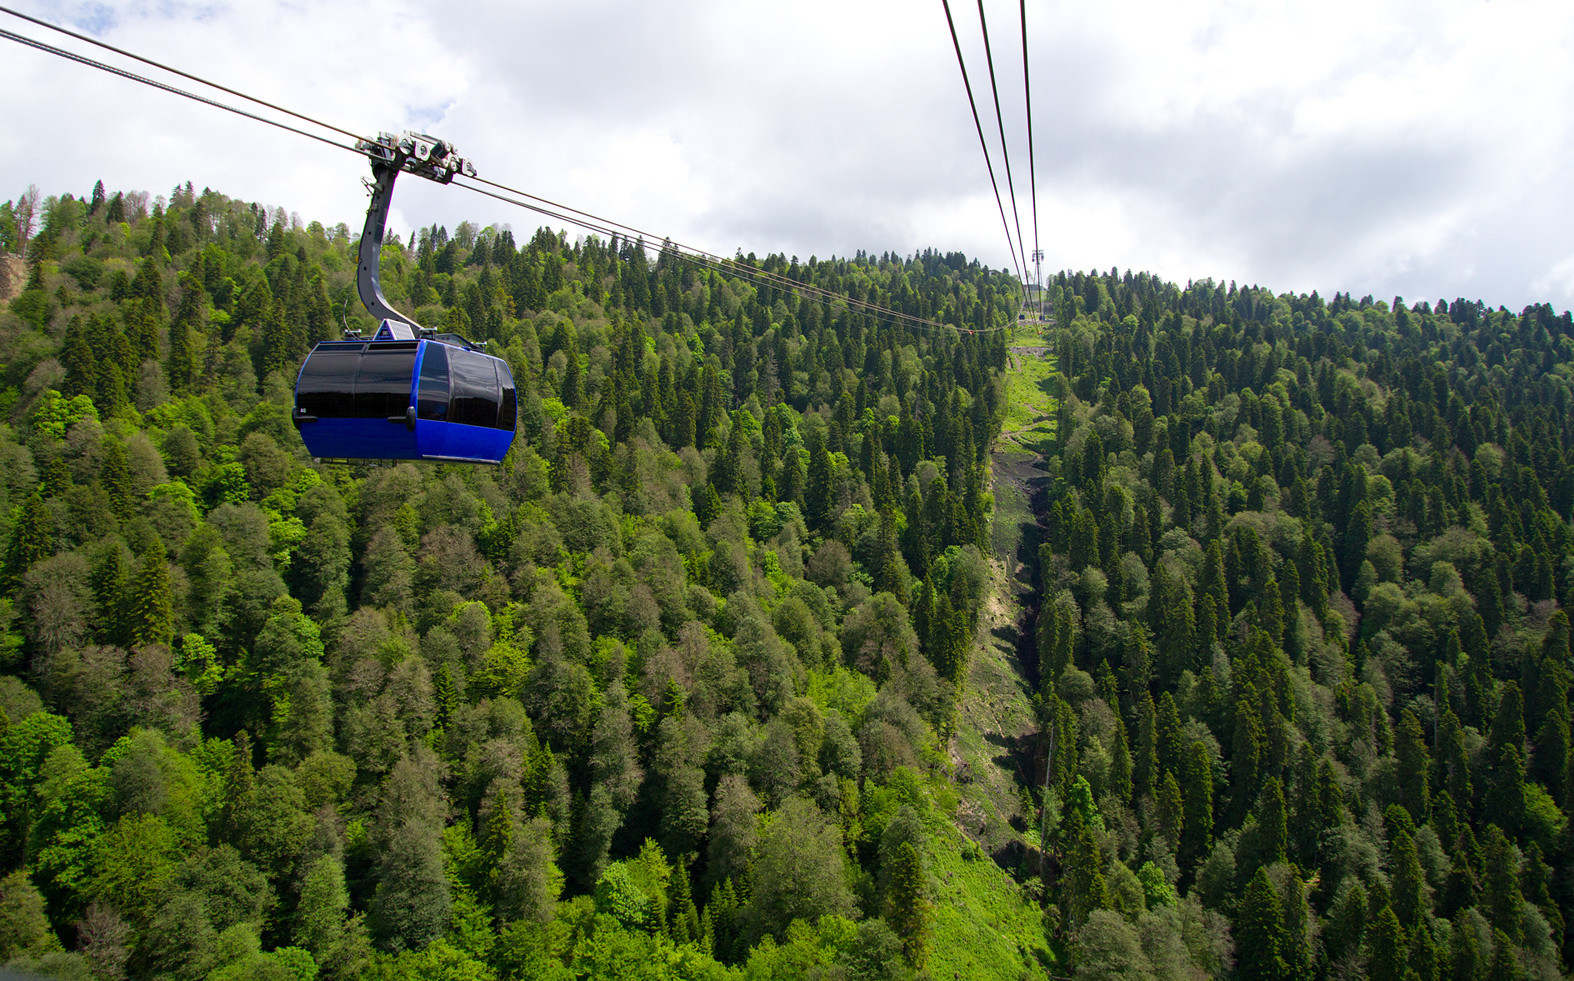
[[1414, 147]]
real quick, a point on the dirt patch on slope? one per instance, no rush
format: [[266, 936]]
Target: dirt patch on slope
[[13, 276]]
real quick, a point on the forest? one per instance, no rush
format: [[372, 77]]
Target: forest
[[1304, 644], [678, 690], [666, 694]]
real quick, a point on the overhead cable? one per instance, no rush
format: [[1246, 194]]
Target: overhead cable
[[174, 71], [983, 144], [1032, 170], [708, 260], [84, 60], [1005, 149], [551, 209]]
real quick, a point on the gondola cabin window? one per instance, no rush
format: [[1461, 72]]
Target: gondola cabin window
[[432, 397]]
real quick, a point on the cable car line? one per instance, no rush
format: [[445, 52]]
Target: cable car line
[[173, 71], [123, 73], [979, 126], [701, 257], [759, 277], [1005, 150], [1032, 169]]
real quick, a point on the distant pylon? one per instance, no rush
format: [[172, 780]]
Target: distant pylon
[[1038, 281]]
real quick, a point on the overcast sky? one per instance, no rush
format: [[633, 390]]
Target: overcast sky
[[1412, 148]]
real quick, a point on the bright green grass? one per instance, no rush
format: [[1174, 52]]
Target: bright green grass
[[1012, 510], [984, 927], [1030, 406]]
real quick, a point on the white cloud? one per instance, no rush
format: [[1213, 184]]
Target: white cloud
[[1391, 147]]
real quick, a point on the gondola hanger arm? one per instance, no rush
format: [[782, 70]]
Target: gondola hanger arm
[[413, 153]]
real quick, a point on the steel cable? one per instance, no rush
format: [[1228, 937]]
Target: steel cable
[[564, 213], [983, 144], [174, 71], [1005, 149]]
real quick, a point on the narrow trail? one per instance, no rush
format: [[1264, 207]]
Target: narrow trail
[[995, 750]]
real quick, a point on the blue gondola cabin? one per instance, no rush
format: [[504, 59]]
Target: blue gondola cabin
[[405, 399]]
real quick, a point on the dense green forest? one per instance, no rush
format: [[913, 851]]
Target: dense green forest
[[1304, 642], [665, 695], [677, 691]]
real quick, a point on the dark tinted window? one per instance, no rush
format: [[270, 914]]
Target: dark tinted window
[[505, 418], [326, 385], [382, 385], [432, 396], [473, 389]]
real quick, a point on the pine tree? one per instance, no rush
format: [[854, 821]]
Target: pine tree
[[1298, 923], [1414, 766], [1346, 924], [817, 494], [1407, 880], [1387, 947], [1171, 621], [151, 610], [1272, 826], [1505, 962], [1501, 899], [1259, 932], [1170, 808], [1197, 790], [116, 475], [683, 917], [1464, 953], [181, 364], [33, 538], [1083, 888], [907, 904], [79, 360], [1120, 764]]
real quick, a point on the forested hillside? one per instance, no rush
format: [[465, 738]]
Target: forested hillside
[[1304, 644], [677, 691], [667, 694]]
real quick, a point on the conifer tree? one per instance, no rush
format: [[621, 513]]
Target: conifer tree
[[907, 904], [1501, 899], [1407, 880], [33, 537], [1298, 924], [1259, 932], [150, 616], [1272, 826], [1387, 947], [817, 492], [1197, 791], [1083, 883], [1169, 806], [1414, 766]]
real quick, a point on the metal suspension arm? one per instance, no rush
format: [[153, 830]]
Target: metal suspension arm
[[368, 278], [421, 155]]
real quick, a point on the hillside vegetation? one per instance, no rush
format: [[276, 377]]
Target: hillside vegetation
[[1304, 648], [664, 695], [717, 675]]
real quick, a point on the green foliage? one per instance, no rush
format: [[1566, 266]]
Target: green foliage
[[1302, 562]]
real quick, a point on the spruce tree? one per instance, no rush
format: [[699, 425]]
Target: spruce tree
[[1272, 823], [1387, 947], [1197, 791], [32, 539], [907, 904], [150, 615], [1259, 932]]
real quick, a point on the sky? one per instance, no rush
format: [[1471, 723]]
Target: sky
[[1415, 148]]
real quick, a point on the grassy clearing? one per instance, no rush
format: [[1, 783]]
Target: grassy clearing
[[1012, 510], [985, 924], [1030, 401], [984, 927]]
